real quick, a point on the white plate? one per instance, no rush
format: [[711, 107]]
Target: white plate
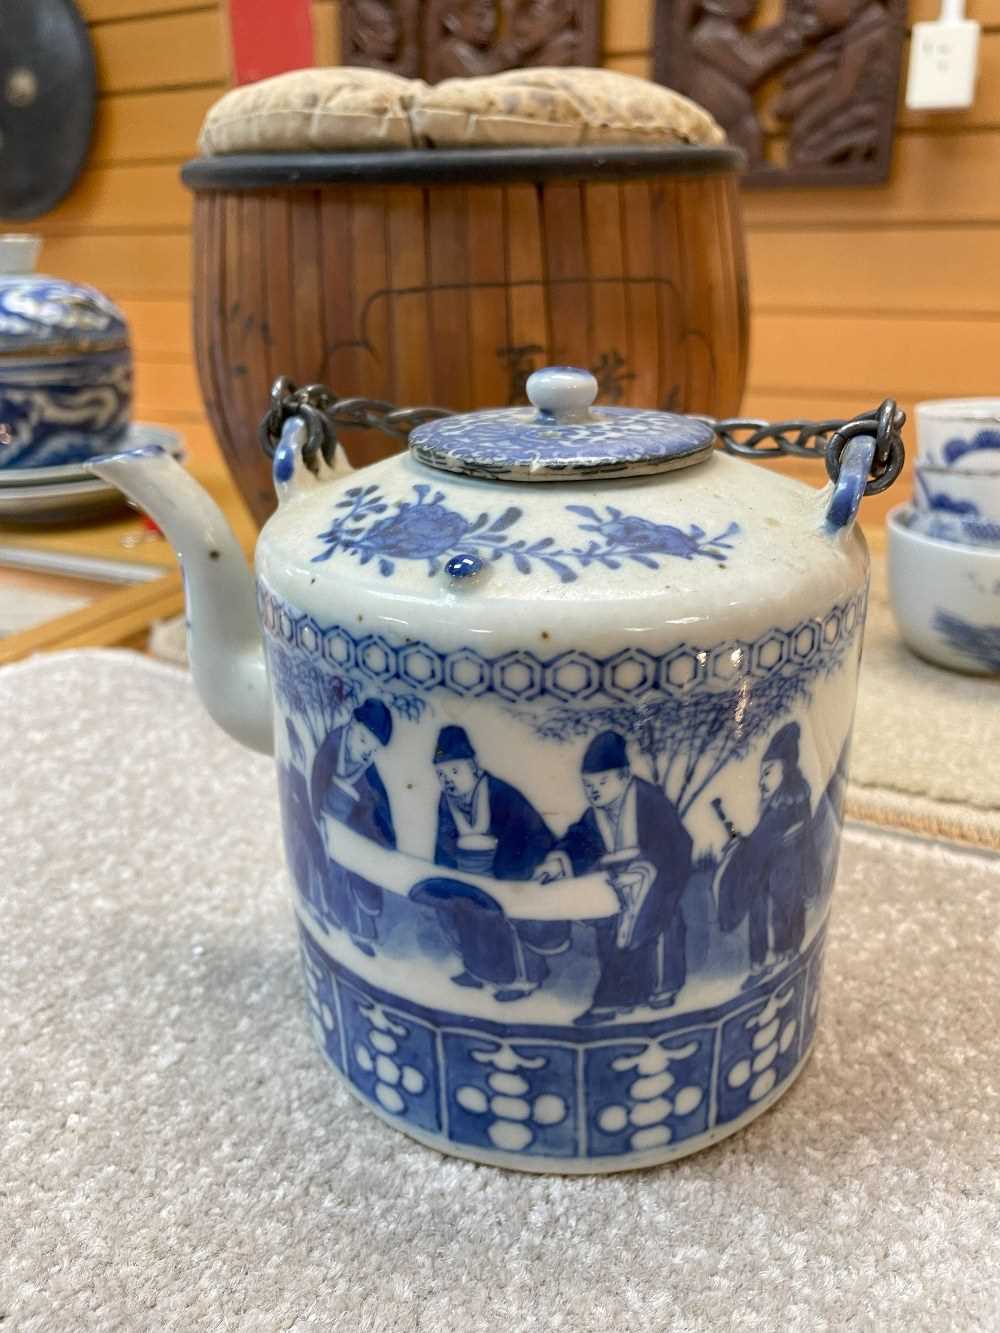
[[69, 494], [139, 434], [72, 503]]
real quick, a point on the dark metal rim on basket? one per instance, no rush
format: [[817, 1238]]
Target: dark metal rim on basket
[[429, 166]]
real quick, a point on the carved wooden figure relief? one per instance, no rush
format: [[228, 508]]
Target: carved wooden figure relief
[[443, 39], [382, 34], [808, 94]]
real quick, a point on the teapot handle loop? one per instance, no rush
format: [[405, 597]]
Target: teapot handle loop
[[849, 488], [320, 411], [747, 437]]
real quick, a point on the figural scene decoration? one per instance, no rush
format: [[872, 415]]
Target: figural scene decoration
[[561, 702], [631, 913], [809, 95], [445, 39]]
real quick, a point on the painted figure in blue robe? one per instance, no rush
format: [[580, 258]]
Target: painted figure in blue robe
[[631, 831], [346, 784], [487, 827], [766, 876], [303, 840]]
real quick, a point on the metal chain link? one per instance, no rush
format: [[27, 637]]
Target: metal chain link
[[322, 412], [826, 440]]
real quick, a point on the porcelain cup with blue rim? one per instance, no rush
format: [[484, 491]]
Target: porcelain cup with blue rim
[[561, 703], [945, 596], [957, 504], [959, 435], [65, 365]]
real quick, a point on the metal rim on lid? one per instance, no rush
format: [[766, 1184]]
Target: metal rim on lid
[[562, 436]]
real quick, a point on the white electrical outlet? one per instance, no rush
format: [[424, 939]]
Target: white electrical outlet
[[943, 60]]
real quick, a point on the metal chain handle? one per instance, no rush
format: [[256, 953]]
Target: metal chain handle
[[827, 440], [322, 412]]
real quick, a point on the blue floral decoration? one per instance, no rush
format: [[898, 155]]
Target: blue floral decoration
[[426, 529], [629, 537], [982, 442]]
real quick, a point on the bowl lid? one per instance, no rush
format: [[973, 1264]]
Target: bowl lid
[[562, 436], [41, 316]]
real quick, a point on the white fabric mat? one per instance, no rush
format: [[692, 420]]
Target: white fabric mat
[[176, 1156]]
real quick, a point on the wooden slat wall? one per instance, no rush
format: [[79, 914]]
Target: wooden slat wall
[[855, 292], [126, 225]]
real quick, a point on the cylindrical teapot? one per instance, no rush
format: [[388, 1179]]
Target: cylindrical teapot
[[561, 702]]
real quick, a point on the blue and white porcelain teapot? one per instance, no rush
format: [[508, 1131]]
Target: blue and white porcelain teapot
[[561, 703]]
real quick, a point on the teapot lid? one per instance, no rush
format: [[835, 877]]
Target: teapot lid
[[562, 436]]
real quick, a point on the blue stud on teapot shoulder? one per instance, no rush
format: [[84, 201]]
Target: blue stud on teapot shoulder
[[65, 365], [560, 700]]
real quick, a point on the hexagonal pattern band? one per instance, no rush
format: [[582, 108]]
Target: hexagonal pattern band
[[631, 675]]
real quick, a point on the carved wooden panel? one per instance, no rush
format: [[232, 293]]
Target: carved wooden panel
[[810, 97], [443, 39], [383, 34]]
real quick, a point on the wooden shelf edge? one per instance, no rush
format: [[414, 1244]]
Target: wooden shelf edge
[[111, 621]]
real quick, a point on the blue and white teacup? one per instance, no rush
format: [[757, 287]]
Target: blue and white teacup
[[957, 506], [957, 481], [960, 434], [945, 596]]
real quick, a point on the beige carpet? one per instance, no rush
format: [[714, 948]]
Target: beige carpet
[[175, 1156], [926, 753]]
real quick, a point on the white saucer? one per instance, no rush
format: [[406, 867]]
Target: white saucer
[[68, 494], [140, 433]]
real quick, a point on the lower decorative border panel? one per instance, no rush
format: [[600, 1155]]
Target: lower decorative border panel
[[525, 1093]]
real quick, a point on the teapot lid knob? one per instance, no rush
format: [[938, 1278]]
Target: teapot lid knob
[[563, 392]]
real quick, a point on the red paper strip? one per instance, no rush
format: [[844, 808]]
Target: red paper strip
[[269, 37]]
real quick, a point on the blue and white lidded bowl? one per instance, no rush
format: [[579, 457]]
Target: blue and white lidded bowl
[[561, 703], [65, 365]]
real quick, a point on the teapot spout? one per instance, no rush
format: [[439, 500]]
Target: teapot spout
[[224, 643]]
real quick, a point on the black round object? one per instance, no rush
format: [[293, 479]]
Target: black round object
[[48, 91], [425, 166]]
